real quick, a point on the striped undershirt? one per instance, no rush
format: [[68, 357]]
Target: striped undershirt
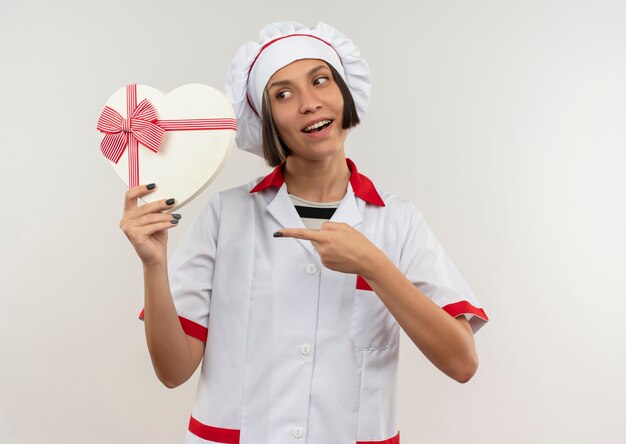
[[314, 214]]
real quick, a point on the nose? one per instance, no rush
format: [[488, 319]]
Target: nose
[[309, 102]]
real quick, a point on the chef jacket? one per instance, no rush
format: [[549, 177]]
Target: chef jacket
[[295, 352]]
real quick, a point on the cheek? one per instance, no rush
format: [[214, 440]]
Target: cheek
[[335, 92], [281, 120], [337, 101], [283, 128]]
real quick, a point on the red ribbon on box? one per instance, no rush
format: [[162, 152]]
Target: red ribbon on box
[[142, 126]]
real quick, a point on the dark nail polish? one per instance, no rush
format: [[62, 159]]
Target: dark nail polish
[[174, 221], [277, 234], [151, 186], [176, 216], [170, 201]]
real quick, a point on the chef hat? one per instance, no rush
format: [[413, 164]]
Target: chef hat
[[280, 44]]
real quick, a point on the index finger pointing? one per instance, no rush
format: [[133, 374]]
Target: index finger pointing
[[300, 233]]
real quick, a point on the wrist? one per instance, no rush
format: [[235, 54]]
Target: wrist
[[154, 266], [374, 264]]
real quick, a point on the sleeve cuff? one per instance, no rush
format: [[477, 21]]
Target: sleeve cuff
[[476, 316], [190, 328]]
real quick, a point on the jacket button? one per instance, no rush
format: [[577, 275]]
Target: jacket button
[[305, 349], [311, 269], [297, 432]]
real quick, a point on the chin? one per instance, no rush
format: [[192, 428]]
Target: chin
[[319, 150], [317, 153]]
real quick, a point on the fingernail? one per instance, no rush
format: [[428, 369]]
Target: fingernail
[[174, 221], [176, 216], [170, 201], [277, 234], [151, 186]]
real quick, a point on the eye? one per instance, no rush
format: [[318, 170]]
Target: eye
[[282, 95], [320, 80]]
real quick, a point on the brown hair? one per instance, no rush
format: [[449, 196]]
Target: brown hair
[[274, 149]]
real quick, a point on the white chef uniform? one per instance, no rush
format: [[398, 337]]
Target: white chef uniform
[[295, 352]]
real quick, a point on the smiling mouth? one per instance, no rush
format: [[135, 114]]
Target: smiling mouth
[[319, 126]]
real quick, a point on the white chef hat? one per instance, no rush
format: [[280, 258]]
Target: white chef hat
[[280, 44]]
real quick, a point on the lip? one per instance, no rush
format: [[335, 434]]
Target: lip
[[322, 133], [308, 124]]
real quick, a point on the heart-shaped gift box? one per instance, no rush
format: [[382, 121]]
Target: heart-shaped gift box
[[180, 140]]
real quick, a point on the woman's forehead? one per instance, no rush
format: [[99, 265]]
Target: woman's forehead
[[297, 69]]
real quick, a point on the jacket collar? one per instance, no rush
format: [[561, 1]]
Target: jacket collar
[[361, 185]]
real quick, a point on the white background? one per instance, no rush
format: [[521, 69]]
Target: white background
[[503, 121]]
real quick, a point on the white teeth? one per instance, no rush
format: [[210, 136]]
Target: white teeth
[[316, 125]]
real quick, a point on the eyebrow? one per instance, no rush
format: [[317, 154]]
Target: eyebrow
[[287, 82]]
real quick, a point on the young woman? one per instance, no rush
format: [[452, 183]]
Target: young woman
[[292, 289]]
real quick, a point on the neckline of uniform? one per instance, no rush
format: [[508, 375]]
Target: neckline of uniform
[[361, 184]]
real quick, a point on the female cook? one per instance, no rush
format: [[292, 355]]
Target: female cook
[[292, 289]]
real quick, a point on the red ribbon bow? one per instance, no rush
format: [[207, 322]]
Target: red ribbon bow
[[118, 130], [143, 127]]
